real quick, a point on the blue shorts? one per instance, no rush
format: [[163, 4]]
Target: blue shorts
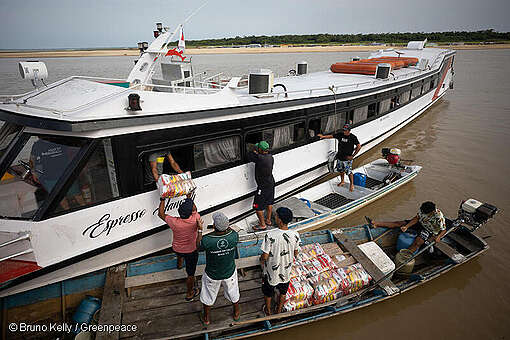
[[344, 166]]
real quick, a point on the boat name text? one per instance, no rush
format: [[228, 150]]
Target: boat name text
[[105, 224]]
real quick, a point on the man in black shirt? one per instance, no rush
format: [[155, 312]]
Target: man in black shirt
[[346, 143], [264, 197]]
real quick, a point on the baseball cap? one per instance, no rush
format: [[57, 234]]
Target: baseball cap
[[347, 127], [263, 145], [284, 214], [220, 221], [186, 208]]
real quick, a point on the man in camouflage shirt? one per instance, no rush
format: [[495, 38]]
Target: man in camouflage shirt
[[429, 223]]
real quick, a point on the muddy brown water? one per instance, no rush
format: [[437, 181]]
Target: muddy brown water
[[463, 143]]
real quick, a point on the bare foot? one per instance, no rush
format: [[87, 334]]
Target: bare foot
[[341, 183], [351, 188]]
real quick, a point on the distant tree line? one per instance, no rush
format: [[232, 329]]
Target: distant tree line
[[439, 37]]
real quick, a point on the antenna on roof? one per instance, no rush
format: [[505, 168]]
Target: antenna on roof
[[140, 74]]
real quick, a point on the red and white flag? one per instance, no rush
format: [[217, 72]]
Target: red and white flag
[[179, 50], [181, 45]]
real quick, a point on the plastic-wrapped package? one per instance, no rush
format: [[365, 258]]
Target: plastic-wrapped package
[[298, 295], [175, 185], [325, 287], [354, 278]]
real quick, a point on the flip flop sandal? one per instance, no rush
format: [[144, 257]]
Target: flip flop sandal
[[264, 310], [203, 320], [370, 222], [258, 228], [196, 292]]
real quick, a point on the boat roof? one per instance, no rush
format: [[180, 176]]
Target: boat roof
[[66, 104]]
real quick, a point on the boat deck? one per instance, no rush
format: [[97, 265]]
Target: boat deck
[[161, 311]]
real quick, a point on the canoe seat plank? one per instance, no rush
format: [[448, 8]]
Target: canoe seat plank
[[387, 285], [463, 242], [176, 274], [113, 298], [453, 254]]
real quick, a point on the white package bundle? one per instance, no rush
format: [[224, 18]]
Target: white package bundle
[[175, 185]]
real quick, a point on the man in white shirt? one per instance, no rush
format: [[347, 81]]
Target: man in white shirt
[[279, 248]]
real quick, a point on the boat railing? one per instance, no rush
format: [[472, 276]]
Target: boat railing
[[19, 253], [335, 88], [15, 99]]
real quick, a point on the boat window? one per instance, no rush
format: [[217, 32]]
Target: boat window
[[183, 157], [35, 171], [404, 97], [372, 110], [96, 183], [360, 114], [332, 123], [384, 105], [415, 92], [7, 133], [426, 87], [217, 152], [432, 83], [279, 137]]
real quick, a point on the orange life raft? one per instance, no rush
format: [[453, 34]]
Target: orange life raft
[[369, 66]]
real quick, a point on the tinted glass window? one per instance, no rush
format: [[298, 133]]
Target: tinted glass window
[[415, 92], [404, 97], [384, 105], [278, 137], [360, 114], [332, 123], [96, 183], [217, 152], [35, 172]]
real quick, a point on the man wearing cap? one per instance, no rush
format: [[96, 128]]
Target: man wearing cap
[[279, 248], [185, 233], [264, 197], [346, 152], [220, 268]]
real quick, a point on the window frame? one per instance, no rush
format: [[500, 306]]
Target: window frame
[[144, 150], [261, 128], [51, 212]]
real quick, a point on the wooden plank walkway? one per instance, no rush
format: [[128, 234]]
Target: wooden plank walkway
[[387, 285], [176, 274], [113, 298], [160, 311]]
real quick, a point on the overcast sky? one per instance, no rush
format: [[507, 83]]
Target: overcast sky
[[26, 24]]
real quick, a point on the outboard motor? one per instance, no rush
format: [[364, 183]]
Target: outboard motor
[[475, 213], [391, 155]]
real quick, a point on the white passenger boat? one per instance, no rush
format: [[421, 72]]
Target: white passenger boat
[[96, 207]]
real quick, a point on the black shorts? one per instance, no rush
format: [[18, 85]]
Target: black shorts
[[191, 260], [420, 231], [263, 198], [268, 290]]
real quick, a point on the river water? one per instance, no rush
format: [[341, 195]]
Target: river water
[[463, 142]]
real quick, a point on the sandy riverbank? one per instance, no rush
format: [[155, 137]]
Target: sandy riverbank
[[215, 50]]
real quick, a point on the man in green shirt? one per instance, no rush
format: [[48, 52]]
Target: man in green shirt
[[220, 268]]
